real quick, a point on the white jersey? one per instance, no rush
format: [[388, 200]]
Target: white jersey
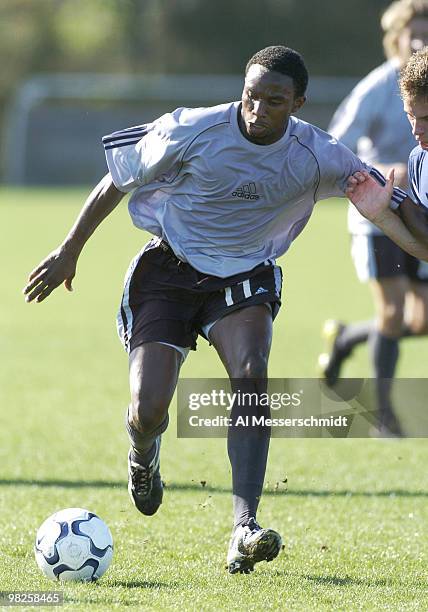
[[223, 203], [372, 123], [418, 176]]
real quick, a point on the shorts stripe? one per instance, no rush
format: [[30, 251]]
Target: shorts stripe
[[422, 270], [247, 289], [371, 257], [278, 280], [362, 256], [125, 317], [228, 296]]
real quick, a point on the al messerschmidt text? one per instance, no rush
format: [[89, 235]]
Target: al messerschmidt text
[[246, 421]]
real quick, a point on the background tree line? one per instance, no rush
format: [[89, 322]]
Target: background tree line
[[178, 36]]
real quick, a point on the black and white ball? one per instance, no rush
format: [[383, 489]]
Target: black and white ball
[[73, 544]]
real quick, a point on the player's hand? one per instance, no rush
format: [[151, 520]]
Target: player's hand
[[368, 196], [58, 267]]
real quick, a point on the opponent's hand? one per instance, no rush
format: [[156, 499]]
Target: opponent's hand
[[58, 267], [368, 196]]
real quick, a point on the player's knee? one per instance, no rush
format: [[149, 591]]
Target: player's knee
[[391, 320], [418, 327], [253, 366], [147, 413]]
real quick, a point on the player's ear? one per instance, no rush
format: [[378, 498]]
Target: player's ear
[[298, 103]]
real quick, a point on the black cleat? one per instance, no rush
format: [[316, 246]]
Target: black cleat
[[330, 362], [144, 483], [251, 544], [388, 427]]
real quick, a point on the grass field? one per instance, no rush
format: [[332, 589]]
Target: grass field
[[354, 516]]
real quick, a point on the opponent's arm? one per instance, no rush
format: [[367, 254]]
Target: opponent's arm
[[60, 265], [372, 200], [400, 173], [415, 218]]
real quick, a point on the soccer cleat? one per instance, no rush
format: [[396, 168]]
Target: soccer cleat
[[250, 544], [144, 483], [388, 427], [330, 363]]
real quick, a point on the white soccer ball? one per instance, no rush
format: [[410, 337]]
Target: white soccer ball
[[73, 544]]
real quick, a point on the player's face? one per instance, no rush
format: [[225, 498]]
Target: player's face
[[417, 113], [268, 99], [413, 38]]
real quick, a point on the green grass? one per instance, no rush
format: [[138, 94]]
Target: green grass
[[354, 514]]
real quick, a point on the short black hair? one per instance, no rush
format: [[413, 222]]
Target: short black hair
[[284, 60]]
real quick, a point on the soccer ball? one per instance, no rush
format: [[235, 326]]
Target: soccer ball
[[73, 544]]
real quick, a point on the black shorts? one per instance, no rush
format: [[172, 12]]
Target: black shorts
[[167, 300], [379, 257]]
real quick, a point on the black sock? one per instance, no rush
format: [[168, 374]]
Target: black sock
[[248, 448], [385, 353], [143, 446], [143, 458], [353, 334]]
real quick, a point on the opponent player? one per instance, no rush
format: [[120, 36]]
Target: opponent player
[[414, 93], [372, 123], [224, 190]]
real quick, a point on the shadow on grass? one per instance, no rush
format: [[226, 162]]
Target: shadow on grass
[[339, 581], [345, 581], [197, 486], [127, 584], [142, 584]]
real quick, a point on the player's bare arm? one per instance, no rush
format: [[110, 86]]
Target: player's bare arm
[[415, 218], [60, 265], [372, 200]]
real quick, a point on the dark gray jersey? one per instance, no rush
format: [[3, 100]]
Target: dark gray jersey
[[223, 203]]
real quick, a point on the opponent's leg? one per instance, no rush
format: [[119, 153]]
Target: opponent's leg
[[389, 297], [416, 310], [153, 374], [341, 339], [243, 340], [376, 259]]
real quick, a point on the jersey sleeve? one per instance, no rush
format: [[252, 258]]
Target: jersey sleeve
[[336, 166], [141, 155], [356, 116]]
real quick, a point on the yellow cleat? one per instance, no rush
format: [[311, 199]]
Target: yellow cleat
[[330, 330], [330, 362]]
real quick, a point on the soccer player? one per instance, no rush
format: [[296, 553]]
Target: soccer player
[[414, 92], [372, 123], [413, 84], [224, 190]]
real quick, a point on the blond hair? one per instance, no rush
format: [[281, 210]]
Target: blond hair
[[414, 76], [396, 17]]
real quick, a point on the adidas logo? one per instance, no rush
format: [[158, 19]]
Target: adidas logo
[[261, 290], [246, 192]]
